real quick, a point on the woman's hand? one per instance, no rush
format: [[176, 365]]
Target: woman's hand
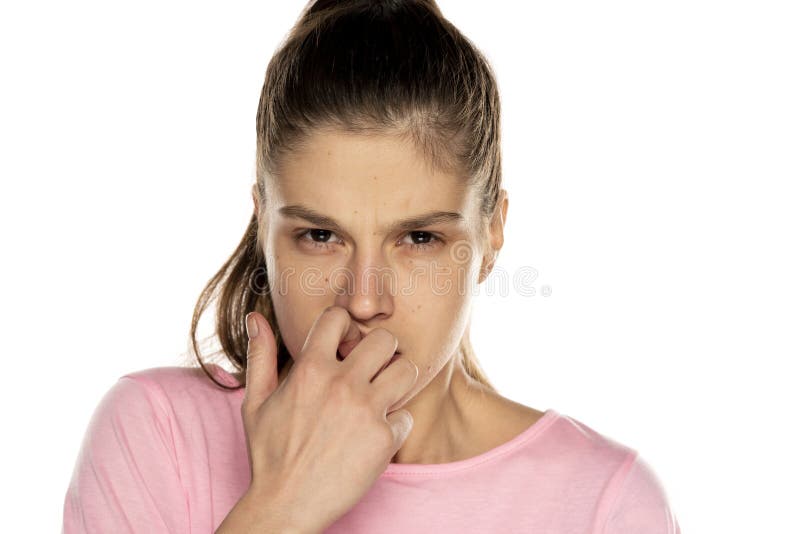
[[319, 440]]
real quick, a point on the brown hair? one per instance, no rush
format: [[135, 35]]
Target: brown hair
[[362, 66]]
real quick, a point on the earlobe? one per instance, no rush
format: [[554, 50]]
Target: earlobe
[[486, 268]]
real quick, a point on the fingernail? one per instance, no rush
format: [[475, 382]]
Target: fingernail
[[251, 326]]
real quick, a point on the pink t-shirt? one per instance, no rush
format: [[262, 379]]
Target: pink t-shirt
[[165, 452]]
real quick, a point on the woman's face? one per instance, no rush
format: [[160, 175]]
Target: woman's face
[[333, 237]]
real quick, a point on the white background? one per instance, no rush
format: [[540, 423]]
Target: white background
[[651, 156]]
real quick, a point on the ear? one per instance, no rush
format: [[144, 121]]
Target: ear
[[495, 238]]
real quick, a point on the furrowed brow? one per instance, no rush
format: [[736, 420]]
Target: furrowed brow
[[406, 225]]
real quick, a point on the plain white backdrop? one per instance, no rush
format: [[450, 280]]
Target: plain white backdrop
[[651, 154]]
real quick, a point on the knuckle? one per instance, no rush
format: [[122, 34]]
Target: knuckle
[[337, 397], [345, 392], [253, 358], [308, 371], [341, 391]]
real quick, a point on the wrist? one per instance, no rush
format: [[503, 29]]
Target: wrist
[[272, 513], [254, 513]]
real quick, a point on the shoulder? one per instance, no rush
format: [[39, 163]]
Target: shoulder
[[133, 456], [176, 379], [148, 395], [179, 405], [578, 447], [572, 448], [588, 441], [565, 440], [583, 465], [164, 395], [637, 502], [632, 499], [187, 383]]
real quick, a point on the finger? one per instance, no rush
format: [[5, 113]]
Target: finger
[[262, 360], [392, 387], [401, 423], [372, 354], [332, 327]]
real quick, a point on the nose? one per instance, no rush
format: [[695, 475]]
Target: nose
[[366, 289]]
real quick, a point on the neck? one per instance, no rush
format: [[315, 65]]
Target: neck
[[444, 417]]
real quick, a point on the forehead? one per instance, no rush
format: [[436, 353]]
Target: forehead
[[342, 171]]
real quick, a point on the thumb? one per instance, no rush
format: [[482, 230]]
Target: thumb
[[401, 422], [262, 361]]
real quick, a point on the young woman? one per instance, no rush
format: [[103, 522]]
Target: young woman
[[357, 404]]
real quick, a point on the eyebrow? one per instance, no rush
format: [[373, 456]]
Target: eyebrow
[[407, 224]]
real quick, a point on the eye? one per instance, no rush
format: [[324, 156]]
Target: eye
[[432, 240], [318, 238], [316, 233]]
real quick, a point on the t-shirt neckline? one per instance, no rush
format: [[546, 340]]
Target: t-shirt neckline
[[539, 426]]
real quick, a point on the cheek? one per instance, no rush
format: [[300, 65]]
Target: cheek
[[436, 318], [293, 276], [449, 281], [298, 297], [295, 320]]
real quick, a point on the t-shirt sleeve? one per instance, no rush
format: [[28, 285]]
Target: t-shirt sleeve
[[641, 505], [126, 476]]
